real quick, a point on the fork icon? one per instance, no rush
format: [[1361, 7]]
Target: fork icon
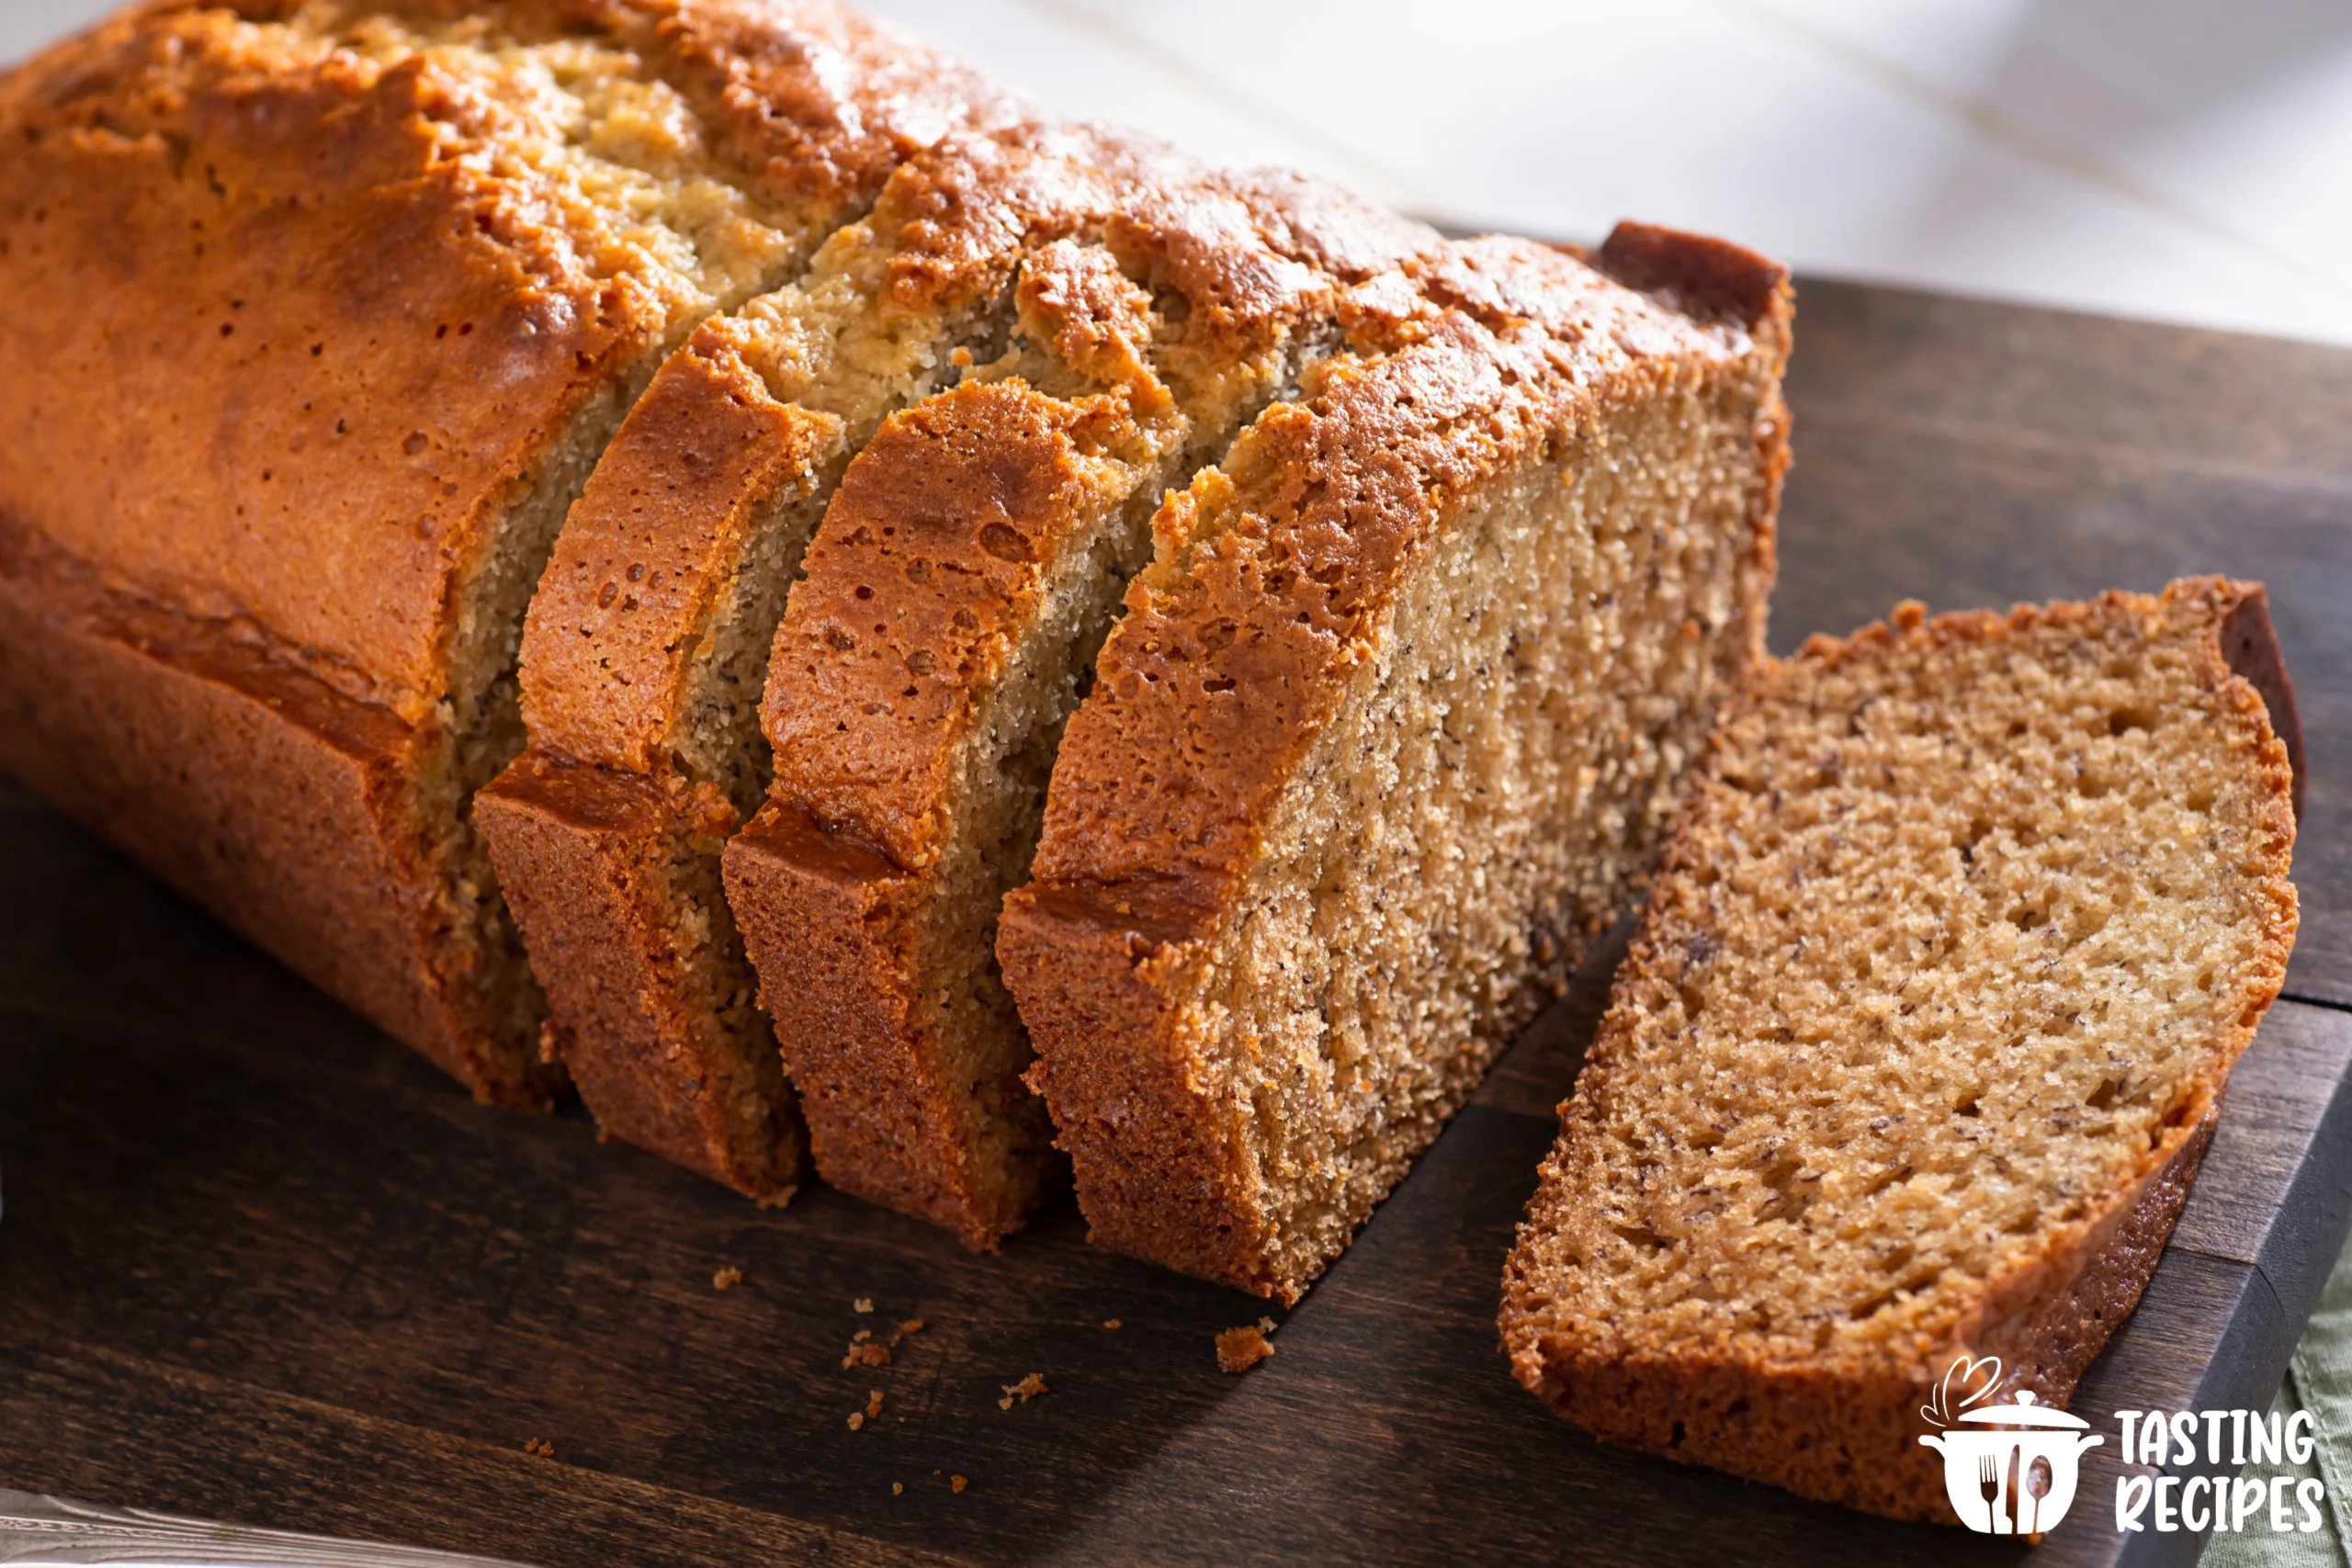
[[1988, 1482]]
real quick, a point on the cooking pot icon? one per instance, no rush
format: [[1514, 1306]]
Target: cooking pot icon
[[2013, 1471]]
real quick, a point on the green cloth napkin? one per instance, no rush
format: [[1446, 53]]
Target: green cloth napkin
[[2319, 1379]]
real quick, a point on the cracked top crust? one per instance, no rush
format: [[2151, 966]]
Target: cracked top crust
[[336, 277]]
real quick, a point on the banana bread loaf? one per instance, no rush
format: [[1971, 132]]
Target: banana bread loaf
[[326, 309], [1922, 1036], [1392, 722]]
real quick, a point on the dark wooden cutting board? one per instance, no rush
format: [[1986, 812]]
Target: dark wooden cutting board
[[259, 1264]]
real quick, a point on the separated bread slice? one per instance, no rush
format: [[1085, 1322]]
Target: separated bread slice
[[955, 599], [1922, 1037], [647, 647], [1392, 723], [324, 311]]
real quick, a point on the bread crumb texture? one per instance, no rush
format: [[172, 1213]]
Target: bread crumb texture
[[1953, 951], [1238, 1349], [727, 1279], [1024, 1391]]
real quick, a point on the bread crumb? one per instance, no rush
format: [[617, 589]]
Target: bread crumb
[[863, 1304], [540, 1448], [898, 1489], [1266, 1325], [727, 1279], [864, 1352], [856, 1419], [1113, 1322], [861, 1336], [912, 1326], [957, 1481], [874, 1405], [1238, 1349], [1024, 1391]]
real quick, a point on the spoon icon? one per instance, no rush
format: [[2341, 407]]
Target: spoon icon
[[2037, 1485]]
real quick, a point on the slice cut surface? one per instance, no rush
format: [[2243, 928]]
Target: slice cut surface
[[1922, 1037]]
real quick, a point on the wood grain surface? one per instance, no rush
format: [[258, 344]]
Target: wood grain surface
[[259, 1264]]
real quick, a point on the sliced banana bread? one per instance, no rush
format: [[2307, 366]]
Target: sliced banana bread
[[955, 600], [1922, 1037], [647, 649], [1392, 722], [324, 311]]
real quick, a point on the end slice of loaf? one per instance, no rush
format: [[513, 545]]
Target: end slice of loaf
[[327, 310], [954, 604], [1922, 1038], [1392, 721]]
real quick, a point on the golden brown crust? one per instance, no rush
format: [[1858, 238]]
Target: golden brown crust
[[830, 919], [1844, 1430], [1272, 576], [619, 974], [2250, 647], [928, 569], [221, 204], [619, 619], [326, 457], [257, 790], [1706, 278], [1158, 1165], [317, 327]]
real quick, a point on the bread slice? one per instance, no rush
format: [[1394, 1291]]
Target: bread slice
[[324, 311], [954, 603], [1392, 721], [1922, 1037]]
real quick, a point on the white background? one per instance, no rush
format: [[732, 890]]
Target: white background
[[2184, 160]]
